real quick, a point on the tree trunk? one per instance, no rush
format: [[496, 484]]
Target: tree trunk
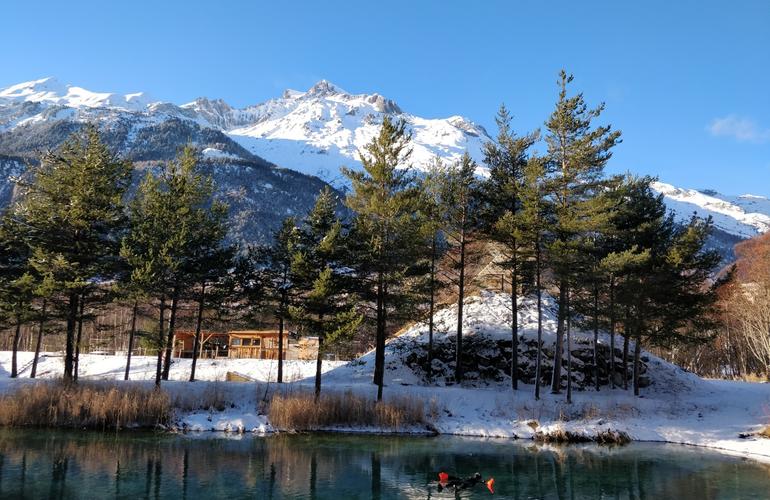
[[282, 307], [637, 359], [626, 335], [596, 335], [318, 366], [569, 352], [196, 340], [539, 291], [514, 324], [131, 336], [170, 335], [612, 332], [39, 343], [16, 338], [559, 346], [460, 305], [379, 353], [69, 349], [80, 335], [161, 337], [431, 308]]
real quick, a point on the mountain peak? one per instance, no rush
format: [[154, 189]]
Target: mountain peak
[[35, 90], [50, 90], [323, 88]]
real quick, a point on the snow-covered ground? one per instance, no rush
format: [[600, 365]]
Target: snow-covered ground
[[677, 407]]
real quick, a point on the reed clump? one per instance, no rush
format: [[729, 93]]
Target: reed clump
[[84, 405], [561, 436], [301, 412]]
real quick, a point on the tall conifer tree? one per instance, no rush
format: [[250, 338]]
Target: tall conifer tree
[[506, 159], [72, 206], [460, 207], [324, 306], [578, 153], [385, 230]]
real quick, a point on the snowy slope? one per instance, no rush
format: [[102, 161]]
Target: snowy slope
[[313, 132], [319, 130], [743, 216], [677, 407], [488, 316], [51, 91]]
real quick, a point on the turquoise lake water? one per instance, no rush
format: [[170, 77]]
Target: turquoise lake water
[[91, 465]]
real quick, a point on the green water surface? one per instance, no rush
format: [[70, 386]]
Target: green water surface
[[54, 464]]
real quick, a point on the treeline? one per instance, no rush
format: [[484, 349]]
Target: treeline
[[603, 245], [740, 348]]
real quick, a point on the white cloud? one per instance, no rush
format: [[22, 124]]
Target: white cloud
[[740, 128]]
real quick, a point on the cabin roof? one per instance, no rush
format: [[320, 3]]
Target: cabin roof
[[253, 333]]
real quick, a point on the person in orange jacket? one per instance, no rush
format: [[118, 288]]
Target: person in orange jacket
[[447, 481]]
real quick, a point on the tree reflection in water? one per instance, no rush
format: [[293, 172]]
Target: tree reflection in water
[[52, 464]]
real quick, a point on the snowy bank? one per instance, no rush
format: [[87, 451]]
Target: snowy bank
[[676, 406]]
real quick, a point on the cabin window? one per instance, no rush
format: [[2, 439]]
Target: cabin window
[[235, 342], [257, 341], [246, 341]]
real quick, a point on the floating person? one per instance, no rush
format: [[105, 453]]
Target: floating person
[[446, 481]]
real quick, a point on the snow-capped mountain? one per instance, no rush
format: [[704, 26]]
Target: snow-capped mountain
[[50, 91], [310, 134], [735, 217], [319, 130], [744, 216], [313, 132]]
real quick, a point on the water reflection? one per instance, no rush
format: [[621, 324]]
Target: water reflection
[[43, 464]]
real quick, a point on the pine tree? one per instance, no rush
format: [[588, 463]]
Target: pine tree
[[385, 229], [176, 228], [677, 291], [535, 226], [589, 276], [324, 307], [280, 280], [578, 154], [636, 213], [17, 283], [208, 268], [430, 187], [460, 207], [502, 197], [72, 207]]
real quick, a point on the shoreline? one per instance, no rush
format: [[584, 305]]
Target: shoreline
[[696, 412]]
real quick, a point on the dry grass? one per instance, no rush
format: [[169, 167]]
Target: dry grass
[[301, 412], [765, 433], [84, 405], [562, 436], [212, 398], [612, 437]]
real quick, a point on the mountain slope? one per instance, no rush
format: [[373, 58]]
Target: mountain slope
[[40, 115], [319, 130], [312, 134], [735, 217]]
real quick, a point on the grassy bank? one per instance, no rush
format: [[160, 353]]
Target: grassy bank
[[84, 405], [300, 411]]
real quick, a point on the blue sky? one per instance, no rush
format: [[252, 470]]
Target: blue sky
[[688, 82]]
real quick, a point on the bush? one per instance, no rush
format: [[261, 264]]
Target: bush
[[301, 412], [84, 405]]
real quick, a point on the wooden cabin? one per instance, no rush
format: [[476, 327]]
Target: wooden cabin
[[257, 344]]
